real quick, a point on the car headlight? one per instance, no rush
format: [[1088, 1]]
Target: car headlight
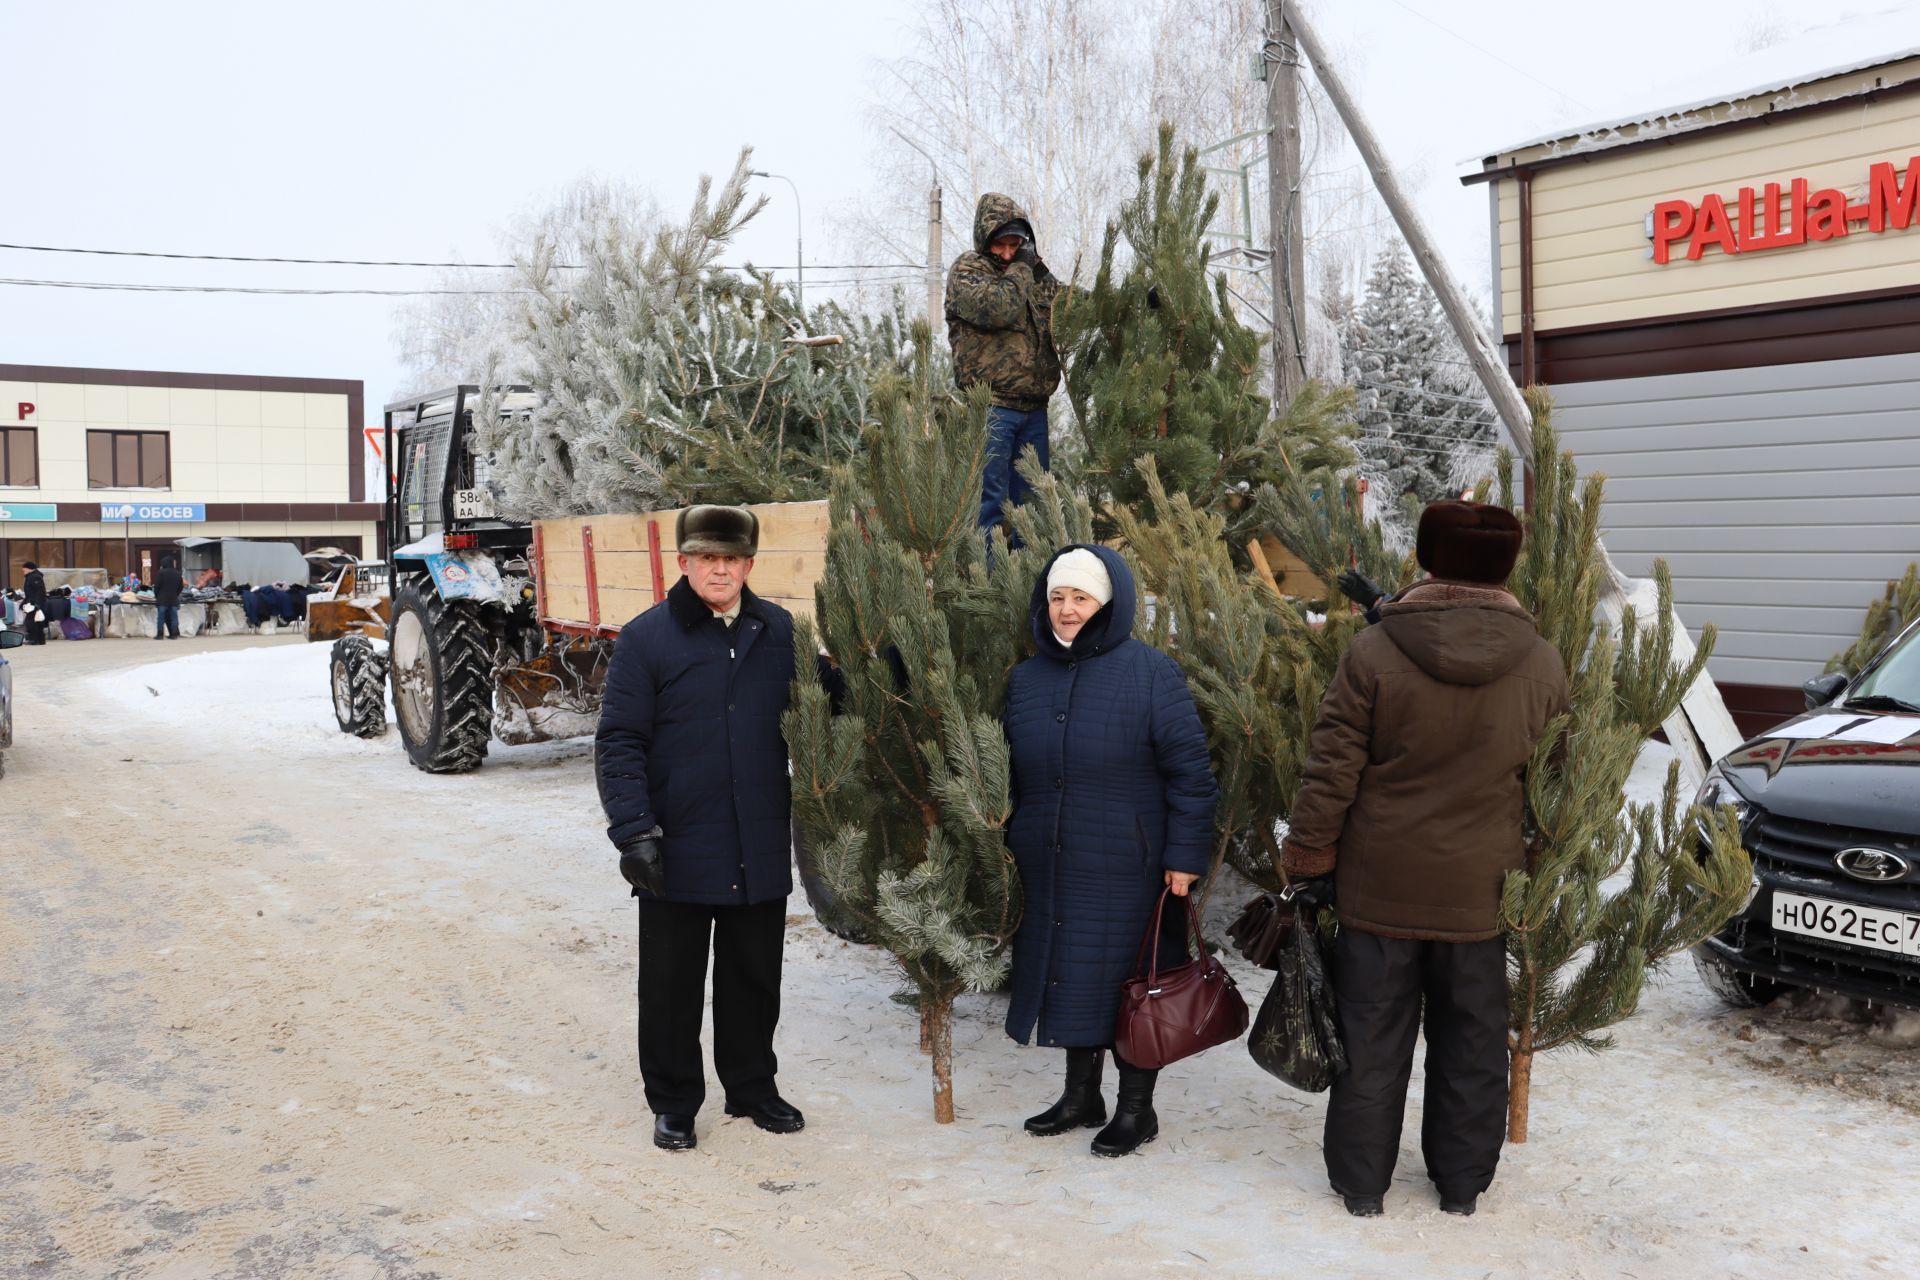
[[1716, 791]]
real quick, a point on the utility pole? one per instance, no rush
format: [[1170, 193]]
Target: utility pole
[[936, 306], [935, 303], [799, 240], [1453, 300], [1288, 263]]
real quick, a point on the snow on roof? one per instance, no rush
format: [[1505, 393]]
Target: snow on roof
[[1840, 47]]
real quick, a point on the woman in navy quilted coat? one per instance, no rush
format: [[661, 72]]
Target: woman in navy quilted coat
[[1113, 801]]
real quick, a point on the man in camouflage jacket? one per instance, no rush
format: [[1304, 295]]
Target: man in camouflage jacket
[[1000, 299]]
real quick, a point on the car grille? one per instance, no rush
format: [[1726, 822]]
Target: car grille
[[1798, 851]]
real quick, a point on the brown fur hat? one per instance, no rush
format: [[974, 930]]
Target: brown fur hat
[[1468, 542], [717, 531]]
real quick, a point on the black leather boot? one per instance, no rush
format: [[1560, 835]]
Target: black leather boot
[[1081, 1106], [1134, 1122]]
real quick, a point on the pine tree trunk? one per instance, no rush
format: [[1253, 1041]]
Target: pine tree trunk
[[939, 1027], [926, 1025], [1519, 1081]]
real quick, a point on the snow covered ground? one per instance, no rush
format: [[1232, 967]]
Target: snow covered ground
[[281, 1005]]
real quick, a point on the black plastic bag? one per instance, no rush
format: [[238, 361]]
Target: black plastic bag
[[1296, 1035]]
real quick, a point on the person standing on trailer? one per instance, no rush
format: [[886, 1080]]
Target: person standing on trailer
[[1000, 298], [692, 770]]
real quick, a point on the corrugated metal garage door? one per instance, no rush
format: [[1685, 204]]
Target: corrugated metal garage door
[[1782, 497]]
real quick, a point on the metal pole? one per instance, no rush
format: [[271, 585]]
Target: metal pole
[[935, 306], [799, 239], [1479, 347], [1283, 204]]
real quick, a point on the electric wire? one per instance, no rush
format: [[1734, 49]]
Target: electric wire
[[1491, 54], [394, 262]]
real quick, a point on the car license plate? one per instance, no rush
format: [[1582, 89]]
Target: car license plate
[[1874, 927]]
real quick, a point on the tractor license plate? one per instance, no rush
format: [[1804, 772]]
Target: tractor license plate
[[472, 504], [1874, 927]]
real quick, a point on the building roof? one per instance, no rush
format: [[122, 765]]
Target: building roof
[[1787, 74]]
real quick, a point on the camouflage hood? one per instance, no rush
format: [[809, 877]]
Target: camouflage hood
[[994, 212]]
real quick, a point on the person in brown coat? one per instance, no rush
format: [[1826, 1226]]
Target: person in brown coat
[[1412, 800]]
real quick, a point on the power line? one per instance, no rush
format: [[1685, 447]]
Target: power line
[[1491, 54], [105, 286], [389, 262]]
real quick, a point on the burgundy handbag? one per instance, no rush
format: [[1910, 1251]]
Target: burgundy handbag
[[1173, 1014]]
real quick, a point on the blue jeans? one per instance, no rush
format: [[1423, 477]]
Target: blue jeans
[[1010, 433], [166, 620]]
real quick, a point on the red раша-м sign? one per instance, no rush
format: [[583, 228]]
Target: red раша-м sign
[[1767, 222]]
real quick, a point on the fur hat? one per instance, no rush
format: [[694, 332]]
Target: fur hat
[[1468, 542], [717, 531], [1082, 570]]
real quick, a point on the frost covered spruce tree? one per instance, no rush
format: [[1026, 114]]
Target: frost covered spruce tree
[[1159, 367], [1609, 893], [1426, 429], [662, 379], [903, 794]]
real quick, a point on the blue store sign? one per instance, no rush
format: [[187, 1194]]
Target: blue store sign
[[29, 511], [153, 512]]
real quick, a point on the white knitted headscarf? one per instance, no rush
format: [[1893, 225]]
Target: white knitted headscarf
[[1083, 570]]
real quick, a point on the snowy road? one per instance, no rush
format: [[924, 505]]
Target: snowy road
[[273, 1003]]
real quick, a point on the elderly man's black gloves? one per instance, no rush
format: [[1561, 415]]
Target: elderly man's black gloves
[[642, 865]]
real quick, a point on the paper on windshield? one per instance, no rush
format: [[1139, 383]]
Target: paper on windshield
[[1887, 729]]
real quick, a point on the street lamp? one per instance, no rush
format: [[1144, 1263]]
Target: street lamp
[[799, 235], [933, 231]]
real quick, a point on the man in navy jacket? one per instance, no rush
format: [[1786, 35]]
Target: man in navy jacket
[[693, 776]]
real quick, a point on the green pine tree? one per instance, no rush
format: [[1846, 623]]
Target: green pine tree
[[1608, 895], [903, 797], [1887, 617], [1158, 366]]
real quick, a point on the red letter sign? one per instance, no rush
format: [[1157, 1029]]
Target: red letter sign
[[26, 410]]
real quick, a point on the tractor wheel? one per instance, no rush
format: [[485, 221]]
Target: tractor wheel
[[359, 678], [441, 661]]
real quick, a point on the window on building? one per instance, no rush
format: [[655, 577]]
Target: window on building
[[19, 457], [127, 460]]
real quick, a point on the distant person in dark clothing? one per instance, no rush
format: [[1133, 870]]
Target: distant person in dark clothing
[[35, 614], [167, 585]]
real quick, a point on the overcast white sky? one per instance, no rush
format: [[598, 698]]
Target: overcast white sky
[[415, 129]]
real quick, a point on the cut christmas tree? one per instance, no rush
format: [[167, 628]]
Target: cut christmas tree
[[1887, 617], [1608, 894], [902, 793]]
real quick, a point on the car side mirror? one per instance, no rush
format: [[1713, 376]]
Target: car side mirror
[[1824, 689], [11, 639]]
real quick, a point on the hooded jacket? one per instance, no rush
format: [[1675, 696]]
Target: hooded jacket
[[1111, 788], [1413, 793], [1000, 318]]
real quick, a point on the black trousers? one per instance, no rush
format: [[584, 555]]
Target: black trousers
[[746, 944], [1380, 985]]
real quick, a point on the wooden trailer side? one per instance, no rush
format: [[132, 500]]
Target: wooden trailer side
[[594, 574]]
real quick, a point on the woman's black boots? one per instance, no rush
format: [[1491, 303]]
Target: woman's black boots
[[1081, 1106], [1134, 1122]]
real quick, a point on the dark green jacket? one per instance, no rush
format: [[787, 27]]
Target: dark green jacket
[[1000, 319]]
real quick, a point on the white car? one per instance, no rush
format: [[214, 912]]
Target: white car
[[8, 640]]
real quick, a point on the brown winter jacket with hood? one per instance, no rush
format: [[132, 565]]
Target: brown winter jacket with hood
[[1000, 317], [1413, 792]]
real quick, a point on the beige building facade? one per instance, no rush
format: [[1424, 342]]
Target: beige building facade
[[1724, 299], [106, 468]]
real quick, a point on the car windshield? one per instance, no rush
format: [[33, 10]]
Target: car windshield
[[1897, 678]]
